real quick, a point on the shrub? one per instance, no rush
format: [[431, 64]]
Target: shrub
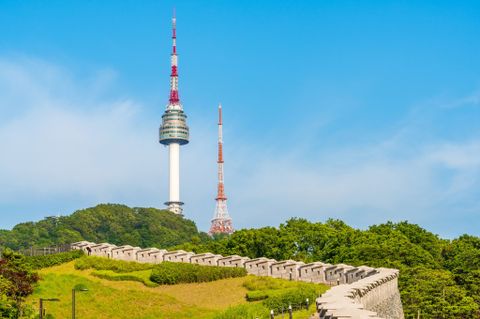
[[38, 262], [244, 311], [258, 295], [267, 283], [142, 276], [118, 266], [281, 299], [278, 294], [168, 273]]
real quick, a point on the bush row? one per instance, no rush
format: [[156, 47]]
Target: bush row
[[268, 283], [281, 299], [258, 295], [168, 273], [38, 262], [119, 266], [132, 276], [255, 310]]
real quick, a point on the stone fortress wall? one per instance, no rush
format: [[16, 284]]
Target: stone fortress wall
[[376, 296], [357, 292]]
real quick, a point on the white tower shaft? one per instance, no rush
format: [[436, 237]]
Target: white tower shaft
[[174, 173]]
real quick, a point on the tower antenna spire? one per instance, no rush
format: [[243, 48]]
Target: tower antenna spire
[[221, 222], [174, 99]]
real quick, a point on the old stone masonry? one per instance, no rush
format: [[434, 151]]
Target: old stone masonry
[[357, 292]]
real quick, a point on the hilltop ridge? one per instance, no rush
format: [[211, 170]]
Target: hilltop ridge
[[113, 223]]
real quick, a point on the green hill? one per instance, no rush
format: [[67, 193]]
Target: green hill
[[112, 223], [438, 277]]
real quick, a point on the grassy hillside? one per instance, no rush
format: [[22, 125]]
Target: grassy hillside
[[116, 224], [129, 299]]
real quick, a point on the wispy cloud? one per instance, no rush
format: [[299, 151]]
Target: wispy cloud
[[65, 141], [58, 141], [470, 100], [368, 186]]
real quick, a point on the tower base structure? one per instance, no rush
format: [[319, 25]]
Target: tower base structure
[[221, 226], [175, 207], [221, 222]]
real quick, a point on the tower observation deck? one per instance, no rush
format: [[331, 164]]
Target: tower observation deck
[[174, 130]]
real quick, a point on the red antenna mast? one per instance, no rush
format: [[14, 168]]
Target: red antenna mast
[[174, 99], [221, 222]]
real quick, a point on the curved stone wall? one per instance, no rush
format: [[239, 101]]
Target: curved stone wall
[[357, 292], [376, 296]]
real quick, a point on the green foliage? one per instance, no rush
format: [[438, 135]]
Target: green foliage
[[16, 283], [281, 299], [39, 262], [142, 276], [168, 273], [244, 311], [422, 257], [258, 295], [435, 294], [118, 266], [112, 223], [398, 245], [275, 294], [253, 283]]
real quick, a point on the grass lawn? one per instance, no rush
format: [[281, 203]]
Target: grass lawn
[[132, 299]]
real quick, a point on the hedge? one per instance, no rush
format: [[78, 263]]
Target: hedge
[[268, 283], [168, 273], [281, 299], [139, 276], [255, 310], [38, 262], [258, 295], [119, 266]]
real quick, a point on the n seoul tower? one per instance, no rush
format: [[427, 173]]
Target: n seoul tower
[[221, 222], [174, 131]]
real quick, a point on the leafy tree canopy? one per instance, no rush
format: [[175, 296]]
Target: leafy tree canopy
[[16, 283], [438, 277], [117, 224]]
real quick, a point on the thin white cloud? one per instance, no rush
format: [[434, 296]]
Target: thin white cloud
[[56, 145], [470, 100], [368, 182], [59, 141]]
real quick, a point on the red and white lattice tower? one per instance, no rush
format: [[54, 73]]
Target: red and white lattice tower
[[221, 222]]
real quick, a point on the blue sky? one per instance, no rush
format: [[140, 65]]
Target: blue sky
[[364, 111]]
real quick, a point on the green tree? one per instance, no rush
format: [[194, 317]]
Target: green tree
[[16, 283], [117, 224], [435, 294]]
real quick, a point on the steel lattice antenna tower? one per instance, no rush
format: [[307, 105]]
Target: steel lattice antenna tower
[[174, 130], [221, 222]]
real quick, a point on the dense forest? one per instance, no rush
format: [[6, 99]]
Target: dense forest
[[439, 278], [112, 223]]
